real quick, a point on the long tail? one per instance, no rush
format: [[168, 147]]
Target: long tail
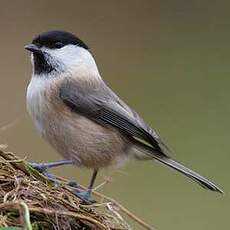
[[165, 159]]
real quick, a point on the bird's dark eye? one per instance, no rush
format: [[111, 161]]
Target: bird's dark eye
[[58, 45]]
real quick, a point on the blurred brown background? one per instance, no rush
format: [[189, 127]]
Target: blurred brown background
[[170, 61]]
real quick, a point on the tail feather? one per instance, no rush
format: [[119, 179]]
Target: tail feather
[[190, 173], [165, 159]]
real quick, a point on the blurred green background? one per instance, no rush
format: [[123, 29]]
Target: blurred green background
[[170, 61]]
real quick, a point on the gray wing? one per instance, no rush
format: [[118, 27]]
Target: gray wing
[[100, 104]]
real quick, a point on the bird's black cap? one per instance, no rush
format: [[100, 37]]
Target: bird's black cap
[[57, 39]]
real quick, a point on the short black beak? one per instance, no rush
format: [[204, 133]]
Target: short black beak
[[33, 48]]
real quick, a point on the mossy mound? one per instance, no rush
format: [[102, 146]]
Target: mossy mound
[[29, 201]]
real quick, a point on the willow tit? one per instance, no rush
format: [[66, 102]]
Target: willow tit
[[81, 117]]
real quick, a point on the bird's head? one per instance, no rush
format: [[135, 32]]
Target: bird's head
[[56, 52]]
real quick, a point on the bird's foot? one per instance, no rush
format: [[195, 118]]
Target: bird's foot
[[41, 167], [52, 178], [72, 183], [85, 196]]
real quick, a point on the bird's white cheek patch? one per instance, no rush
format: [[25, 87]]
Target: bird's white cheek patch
[[74, 61]]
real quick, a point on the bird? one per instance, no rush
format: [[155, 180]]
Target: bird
[[81, 117]]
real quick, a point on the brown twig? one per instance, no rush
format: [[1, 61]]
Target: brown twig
[[15, 205], [125, 210]]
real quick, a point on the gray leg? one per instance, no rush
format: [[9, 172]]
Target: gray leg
[[44, 166], [86, 195], [92, 180]]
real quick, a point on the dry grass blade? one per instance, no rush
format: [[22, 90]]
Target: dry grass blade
[[9, 125]]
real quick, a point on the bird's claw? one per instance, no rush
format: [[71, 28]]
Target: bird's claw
[[84, 196], [41, 167], [72, 183]]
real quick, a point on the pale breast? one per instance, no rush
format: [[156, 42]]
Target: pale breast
[[36, 101], [72, 135]]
